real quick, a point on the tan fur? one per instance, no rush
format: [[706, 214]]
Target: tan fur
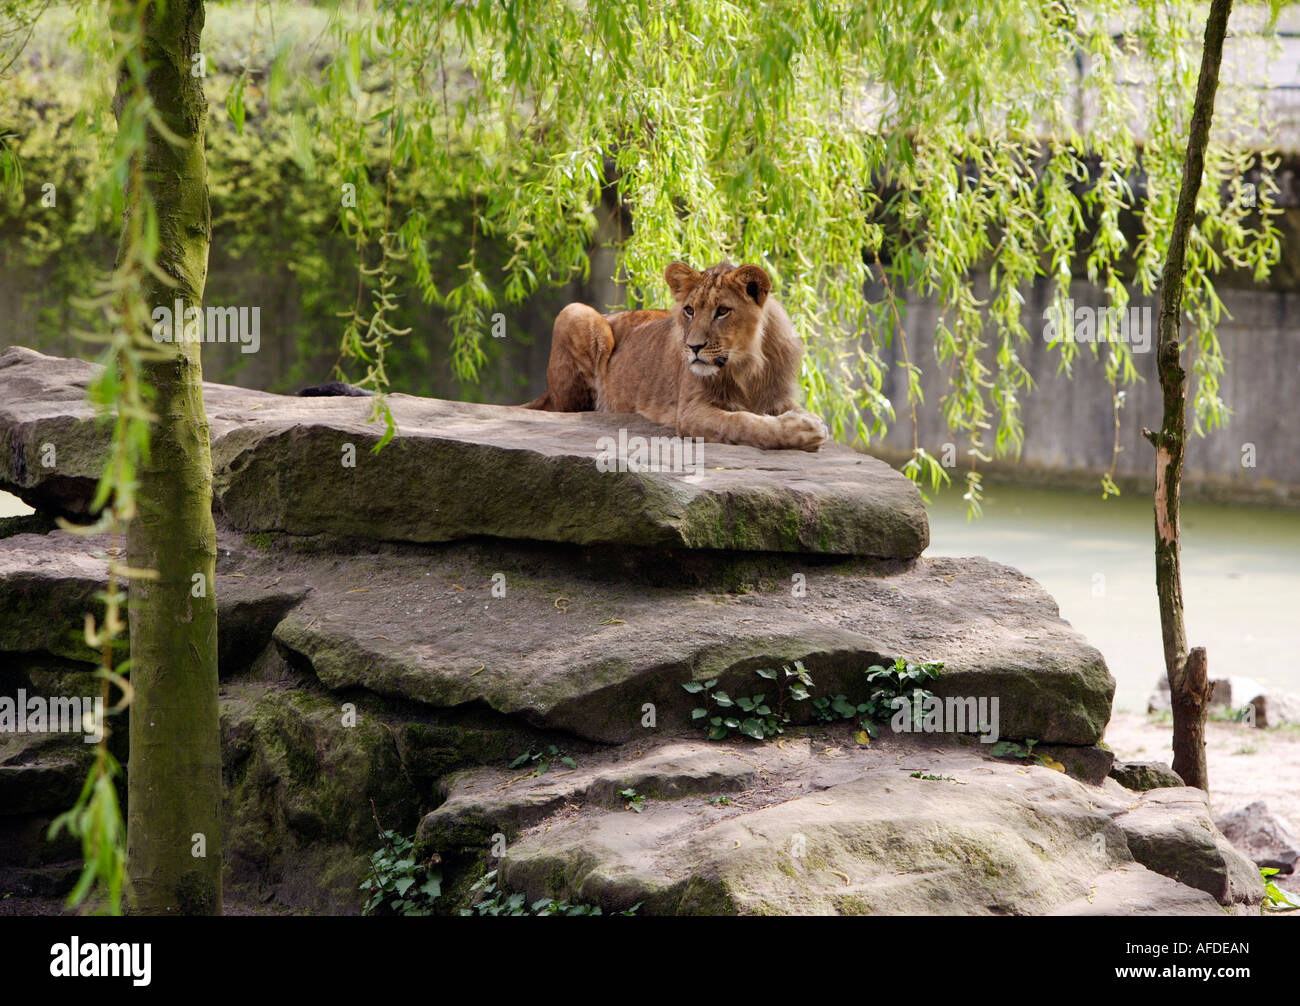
[[649, 362]]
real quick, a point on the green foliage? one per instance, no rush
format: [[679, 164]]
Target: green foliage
[[96, 819], [839, 144], [1275, 899], [541, 760], [632, 800], [753, 716], [275, 235], [903, 679], [835, 708], [397, 882], [1024, 751], [11, 168], [1014, 749], [835, 143], [493, 901]]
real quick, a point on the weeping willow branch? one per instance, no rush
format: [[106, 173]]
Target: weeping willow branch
[[921, 466]]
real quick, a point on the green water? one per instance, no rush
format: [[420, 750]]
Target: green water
[[1241, 577]]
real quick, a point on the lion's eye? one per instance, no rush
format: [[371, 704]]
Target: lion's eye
[[723, 312], [689, 311]]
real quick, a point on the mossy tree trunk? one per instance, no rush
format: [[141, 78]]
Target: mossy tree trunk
[[1187, 672], [174, 771]]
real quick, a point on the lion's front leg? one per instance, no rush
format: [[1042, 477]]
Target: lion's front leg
[[792, 430]]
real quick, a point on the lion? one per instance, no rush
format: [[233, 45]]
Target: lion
[[721, 366]]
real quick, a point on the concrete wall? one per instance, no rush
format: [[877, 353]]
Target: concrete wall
[[1069, 424]]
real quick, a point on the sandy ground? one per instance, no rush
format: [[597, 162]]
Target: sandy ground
[[1245, 765]]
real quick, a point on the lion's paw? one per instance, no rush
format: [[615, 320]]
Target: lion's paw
[[802, 430]]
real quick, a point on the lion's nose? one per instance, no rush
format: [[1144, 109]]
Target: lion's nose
[[695, 349]]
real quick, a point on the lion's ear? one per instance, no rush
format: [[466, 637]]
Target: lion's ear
[[754, 281], [681, 280]]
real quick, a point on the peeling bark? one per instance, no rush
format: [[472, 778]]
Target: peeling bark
[[1187, 673], [174, 772]]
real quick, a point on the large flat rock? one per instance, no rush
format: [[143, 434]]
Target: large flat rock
[[460, 470], [1134, 890], [815, 826], [568, 649], [480, 801], [538, 633], [48, 582]]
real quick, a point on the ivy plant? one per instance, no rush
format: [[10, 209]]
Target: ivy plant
[[903, 679], [541, 760], [836, 707], [494, 901], [1025, 752], [754, 716], [398, 883], [1275, 899]]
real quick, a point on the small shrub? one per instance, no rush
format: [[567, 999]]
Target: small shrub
[[903, 680], [494, 901], [835, 708], [752, 715], [1275, 899], [631, 800], [1025, 752], [541, 760], [397, 882]]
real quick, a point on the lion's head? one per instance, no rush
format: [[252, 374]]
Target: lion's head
[[720, 317]]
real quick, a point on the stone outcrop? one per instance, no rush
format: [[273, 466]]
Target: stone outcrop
[[567, 647], [1140, 776], [1262, 836], [821, 825], [1275, 709], [394, 636], [459, 470]]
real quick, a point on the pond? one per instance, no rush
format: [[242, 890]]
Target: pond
[[1241, 574]]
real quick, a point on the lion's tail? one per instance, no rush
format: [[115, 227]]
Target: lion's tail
[[542, 404]]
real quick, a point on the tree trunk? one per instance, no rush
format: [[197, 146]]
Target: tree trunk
[[1187, 672], [174, 770]]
